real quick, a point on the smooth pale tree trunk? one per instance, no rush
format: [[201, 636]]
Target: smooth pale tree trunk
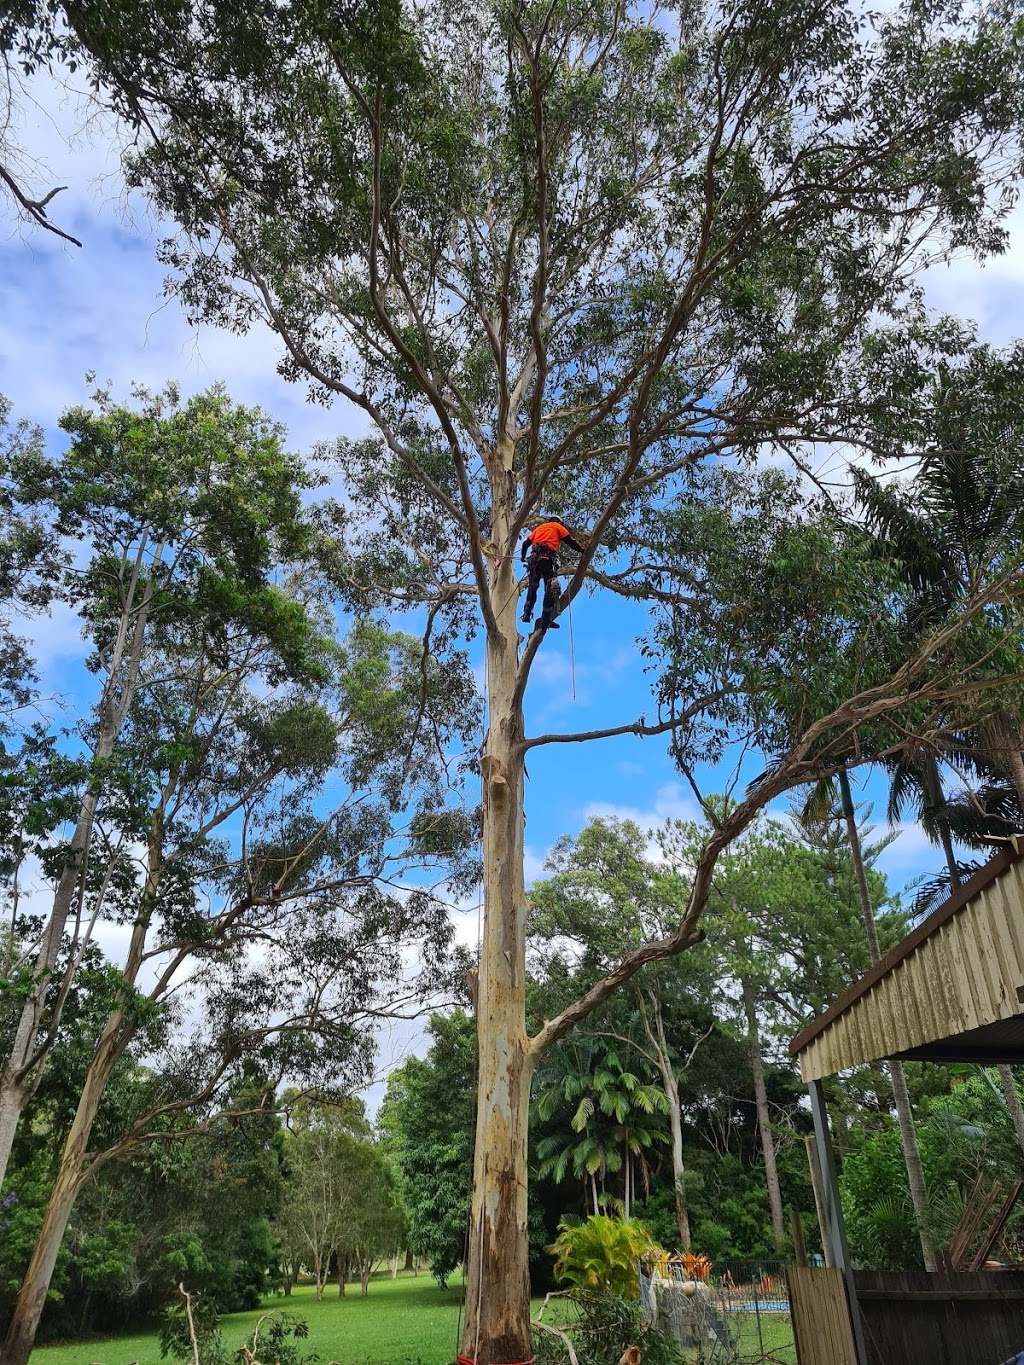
[[901, 1096], [654, 1027], [675, 1123], [764, 1127], [626, 1172], [22, 1070], [593, 1186], [19, 1077], [73, 1171], [71, 1176], [364, 1279], [497, 1324]]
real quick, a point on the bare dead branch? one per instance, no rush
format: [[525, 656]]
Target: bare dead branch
[[36, 208]]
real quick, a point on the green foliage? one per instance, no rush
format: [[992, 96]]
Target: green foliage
[[405, 1319], [276, 1337], [427, 1123], [965, 1132], [601, 1327], [600, 1255], [341, 1201], [186, 1328]]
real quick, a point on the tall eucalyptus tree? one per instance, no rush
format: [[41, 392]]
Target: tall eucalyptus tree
[[559, 255]]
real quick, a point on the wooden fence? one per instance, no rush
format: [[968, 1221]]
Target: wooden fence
[[947, 1318], [821, 1317]]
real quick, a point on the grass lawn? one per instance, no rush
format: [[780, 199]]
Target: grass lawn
[[771, 1337], [407, 1319], [399, 1320]]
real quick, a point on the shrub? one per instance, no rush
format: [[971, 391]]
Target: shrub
[[604, 1326], [600, 1256]]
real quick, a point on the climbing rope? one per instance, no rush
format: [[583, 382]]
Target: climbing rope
[[572, 653]]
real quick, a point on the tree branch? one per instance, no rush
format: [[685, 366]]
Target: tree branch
[[36, 208]]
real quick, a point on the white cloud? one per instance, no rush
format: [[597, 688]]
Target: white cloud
[[909, 853], [671, 802], [102, 308]]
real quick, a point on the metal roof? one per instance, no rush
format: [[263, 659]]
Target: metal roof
[[951, 990]]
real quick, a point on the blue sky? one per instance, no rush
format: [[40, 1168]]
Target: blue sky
[[64, 312]]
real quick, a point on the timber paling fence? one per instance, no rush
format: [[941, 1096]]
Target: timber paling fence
[[738, 1315], [945, 1318]]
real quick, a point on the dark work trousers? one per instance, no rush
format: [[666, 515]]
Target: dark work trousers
[[540, 567]]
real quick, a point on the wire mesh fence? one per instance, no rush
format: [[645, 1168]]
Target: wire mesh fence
[[726, 1313]]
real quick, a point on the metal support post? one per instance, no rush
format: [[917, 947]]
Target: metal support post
[[834, 1211]]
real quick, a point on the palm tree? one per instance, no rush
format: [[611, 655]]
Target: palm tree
[[587, 1083], [958, 525], [822, 798], [961, 521]]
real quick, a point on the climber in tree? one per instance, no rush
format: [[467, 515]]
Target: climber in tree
[[540, 555]]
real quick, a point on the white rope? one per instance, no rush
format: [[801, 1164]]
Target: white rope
[[572, 653]]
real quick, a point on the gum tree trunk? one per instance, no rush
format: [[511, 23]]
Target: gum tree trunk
[[74, 1170], [901, 1096], [19, 1076], [23, 1068], [764, 1126], [71, 1176], [675, 1121], [497, 1326], [654, 1027]]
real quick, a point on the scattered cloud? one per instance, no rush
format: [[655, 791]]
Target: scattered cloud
[[671, 802]]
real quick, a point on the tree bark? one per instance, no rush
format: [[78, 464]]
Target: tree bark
[[22, 1070], [901, 1096], [675, 1122], [73, 1172], [1013, 1103], [771, 1171], [654, 1027], [71, 1176], [17, 1081], [497, 1327]]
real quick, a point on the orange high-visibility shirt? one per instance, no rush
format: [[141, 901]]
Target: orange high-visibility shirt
[[550, 534]]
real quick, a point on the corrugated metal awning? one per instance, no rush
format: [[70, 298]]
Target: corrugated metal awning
[[951, 990]]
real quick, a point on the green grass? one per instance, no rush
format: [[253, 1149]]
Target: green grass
[[775, 1333], [404, 1319], [407, 1319], [771, 1339]]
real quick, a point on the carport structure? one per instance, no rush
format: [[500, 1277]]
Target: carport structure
[[951, 991]]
